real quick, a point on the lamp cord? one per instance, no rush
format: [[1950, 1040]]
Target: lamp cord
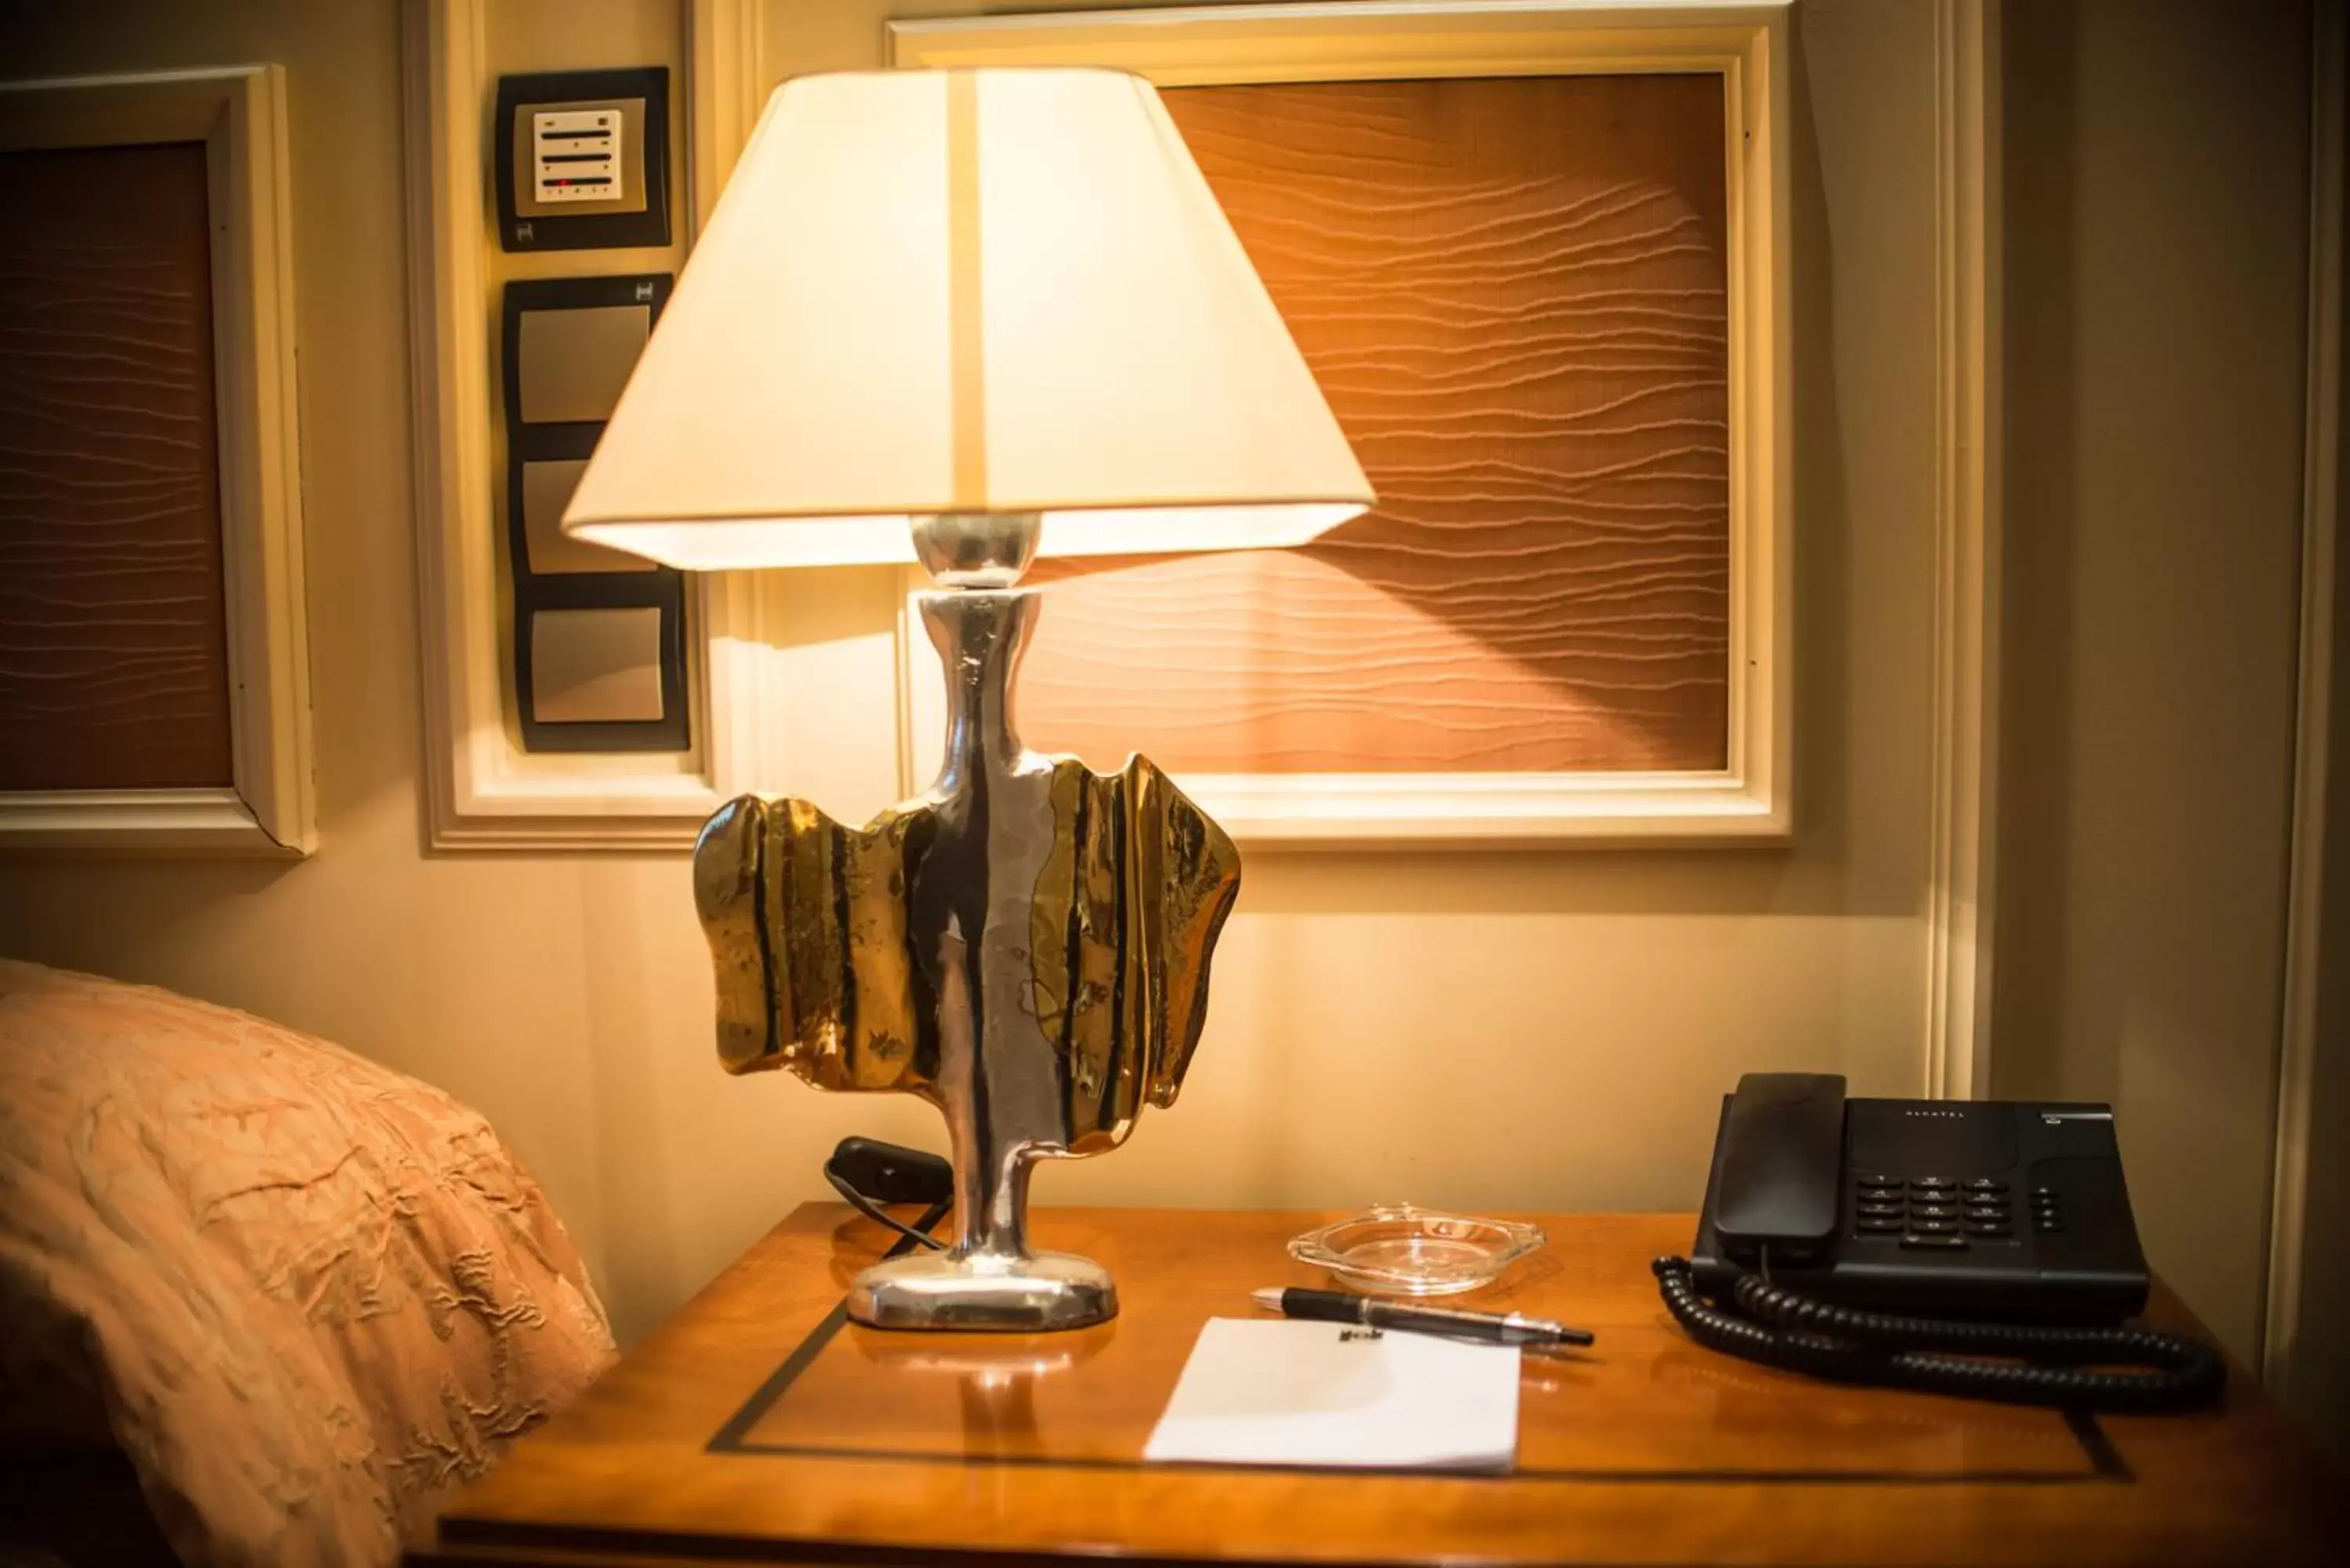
[[878, 1215], [1780, 1327]]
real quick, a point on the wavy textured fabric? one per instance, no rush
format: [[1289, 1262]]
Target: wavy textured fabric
[[1514, 293], [312, 1296]]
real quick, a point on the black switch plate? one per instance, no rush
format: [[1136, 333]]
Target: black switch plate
[[536, 592], [640, 217]]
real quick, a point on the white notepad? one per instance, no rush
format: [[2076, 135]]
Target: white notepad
[[1283, 1392]]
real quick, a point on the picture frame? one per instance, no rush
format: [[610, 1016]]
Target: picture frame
[[269, 807], [1748, 801]]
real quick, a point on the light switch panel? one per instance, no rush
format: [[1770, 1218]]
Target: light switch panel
[[572, 363], [582, 159], [546, 490], [596, 666]]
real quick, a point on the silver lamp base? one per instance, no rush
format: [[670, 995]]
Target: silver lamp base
[[1037, 1293]]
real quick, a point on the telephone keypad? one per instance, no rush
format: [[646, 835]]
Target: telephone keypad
[[1943, 1212]]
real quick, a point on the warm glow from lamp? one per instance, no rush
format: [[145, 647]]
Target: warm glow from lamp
[[990, 291]]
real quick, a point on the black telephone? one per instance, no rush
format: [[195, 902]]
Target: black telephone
[[2008, 1222]]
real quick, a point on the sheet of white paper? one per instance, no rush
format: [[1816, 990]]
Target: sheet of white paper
[[1284, 1392]]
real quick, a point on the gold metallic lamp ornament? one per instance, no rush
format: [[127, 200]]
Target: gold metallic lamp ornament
[[969, 317]]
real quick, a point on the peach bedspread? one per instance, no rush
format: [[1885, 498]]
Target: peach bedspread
[[311, 1296]]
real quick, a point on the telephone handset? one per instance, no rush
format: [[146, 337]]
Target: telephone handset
[[2005, 1221]]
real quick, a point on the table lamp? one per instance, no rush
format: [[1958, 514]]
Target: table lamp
[[967, 318]]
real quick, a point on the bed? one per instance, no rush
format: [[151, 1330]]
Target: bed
[[262, 1302]]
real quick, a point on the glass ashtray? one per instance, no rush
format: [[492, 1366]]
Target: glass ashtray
[[1406, 1251]]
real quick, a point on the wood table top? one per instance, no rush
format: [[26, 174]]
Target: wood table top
[[758, 1425]]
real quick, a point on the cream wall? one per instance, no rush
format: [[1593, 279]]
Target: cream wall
[[1477, 1029], [2157, 200]]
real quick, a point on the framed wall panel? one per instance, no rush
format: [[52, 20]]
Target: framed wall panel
[[154, 684], [1535, 256], [485, 789]]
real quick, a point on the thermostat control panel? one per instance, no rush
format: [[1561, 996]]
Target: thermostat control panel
[[582, 159]]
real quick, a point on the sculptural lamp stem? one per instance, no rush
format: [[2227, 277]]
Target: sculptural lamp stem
[[980, 624], [971, 918], [1025, 946]]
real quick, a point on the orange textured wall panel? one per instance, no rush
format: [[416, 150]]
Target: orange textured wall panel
[[113, 642], [1512, 292]]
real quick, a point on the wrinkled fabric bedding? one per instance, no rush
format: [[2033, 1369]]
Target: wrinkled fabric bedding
[[311, 1297]]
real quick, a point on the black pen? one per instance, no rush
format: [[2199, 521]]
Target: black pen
[[1495, 1327]]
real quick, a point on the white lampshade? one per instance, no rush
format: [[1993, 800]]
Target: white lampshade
[[965, 291]]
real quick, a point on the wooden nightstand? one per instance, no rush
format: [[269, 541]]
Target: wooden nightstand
[[758, 1425]]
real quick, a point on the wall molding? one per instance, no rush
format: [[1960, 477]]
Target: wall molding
[[482, 790], [238, 112], [725, 44], [2298, 1045], [1744, 42], [1967, 448]]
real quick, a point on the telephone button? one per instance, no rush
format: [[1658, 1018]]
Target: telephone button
[[1881, 1211], [1933, 1227], [1933, 1186], [1933, 1211], [1984, 1184], [1876, 1181], [1875, 1223], [1989, 1228], [1936, 1241]]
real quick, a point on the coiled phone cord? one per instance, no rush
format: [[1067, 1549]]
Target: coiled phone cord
[[1785, 1329]]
